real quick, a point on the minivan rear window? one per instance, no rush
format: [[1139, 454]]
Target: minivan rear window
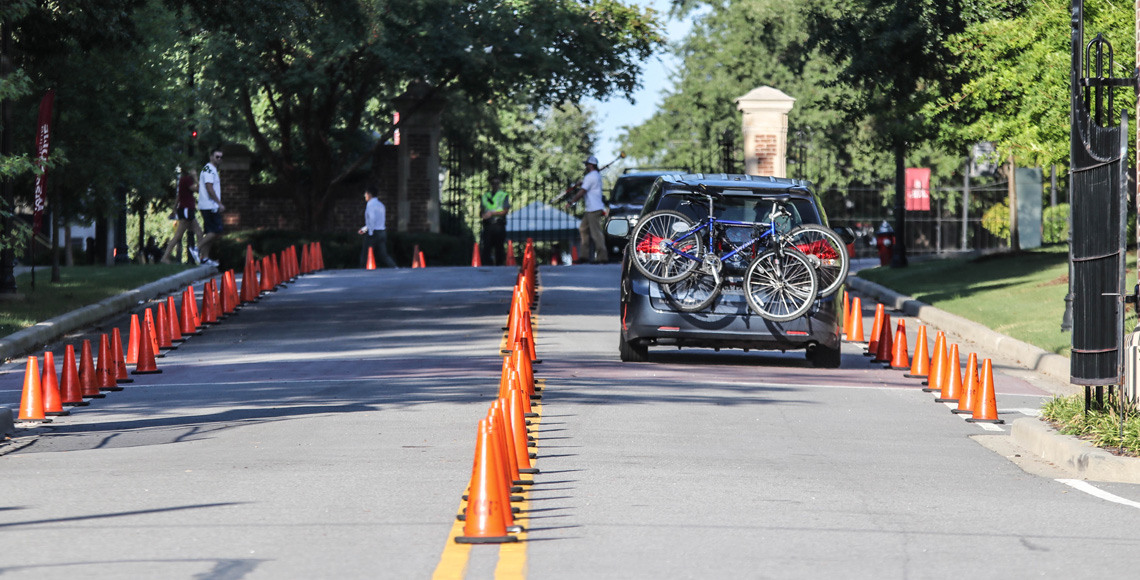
[[749, 208]]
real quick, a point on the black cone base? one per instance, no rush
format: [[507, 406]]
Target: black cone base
[[941, 400], [994, 421], [485, 540], [138, 372]]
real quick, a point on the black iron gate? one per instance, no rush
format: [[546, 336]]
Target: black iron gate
[[1099, 165]]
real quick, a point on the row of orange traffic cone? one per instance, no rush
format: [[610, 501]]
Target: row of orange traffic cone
[[502, 444], [477, 259], [974, 394], [161, 328]]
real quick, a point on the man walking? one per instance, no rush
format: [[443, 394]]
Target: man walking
[[210, 206], [590, 229], [375, 234]]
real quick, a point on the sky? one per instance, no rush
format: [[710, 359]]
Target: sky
[[617, 111]]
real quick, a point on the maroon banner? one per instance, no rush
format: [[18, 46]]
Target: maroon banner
[[918, 189], [43, 149]]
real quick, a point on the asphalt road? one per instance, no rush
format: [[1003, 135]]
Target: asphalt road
[[328, 432]]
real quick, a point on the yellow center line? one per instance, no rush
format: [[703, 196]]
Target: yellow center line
[[453, 562]]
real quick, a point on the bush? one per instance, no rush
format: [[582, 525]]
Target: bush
[[996, 220], [1101, 427], [1055, 224]]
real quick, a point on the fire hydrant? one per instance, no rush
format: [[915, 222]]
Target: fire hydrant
[[884, 239]]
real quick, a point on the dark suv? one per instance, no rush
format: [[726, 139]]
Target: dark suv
[[650, 318], [628, 196]]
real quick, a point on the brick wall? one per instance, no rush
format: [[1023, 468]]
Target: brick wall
[[272, 206], [766, 152]]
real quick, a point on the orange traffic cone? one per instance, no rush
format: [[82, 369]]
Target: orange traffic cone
[[517, 406], [229, 294], [148, 330], [162, 327], [146, 364], [172, 321], [985, 407], [970, 387], [189, 327], [952, 383], [476, 259], [416, 256], [900, 360], [511, 254], [423, 264], [132, 354], [498, 413], [876, 330], [32, 401], [845, 327], [88, 380], [49, 382], [107, 369], [937, 362], [573, 254], [488, 511], [856, 321], [70, 390], [883, 346], [370, 264], [920, 366], [121, 375]]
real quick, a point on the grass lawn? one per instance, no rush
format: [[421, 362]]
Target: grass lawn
[[78, 287], [1021, 295]]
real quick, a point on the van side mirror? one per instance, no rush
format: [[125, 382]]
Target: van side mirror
[[617, 227]]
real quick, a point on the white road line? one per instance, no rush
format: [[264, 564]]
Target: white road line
[[1030, 412], [1088, 488], [991, 427]]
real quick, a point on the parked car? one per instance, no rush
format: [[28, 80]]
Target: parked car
[[651, 316], [628, 196]]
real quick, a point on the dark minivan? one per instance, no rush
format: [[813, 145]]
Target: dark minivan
[[651, 317]]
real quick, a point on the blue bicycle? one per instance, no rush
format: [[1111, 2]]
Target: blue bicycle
[[689, 259]]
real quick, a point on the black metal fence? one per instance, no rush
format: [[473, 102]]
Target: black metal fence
[[953, 223], [937, 231], [536, 210]]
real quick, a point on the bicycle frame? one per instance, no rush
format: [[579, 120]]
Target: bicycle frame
[[709, 222]]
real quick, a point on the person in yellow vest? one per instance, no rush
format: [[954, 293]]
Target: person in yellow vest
[[495, 205]]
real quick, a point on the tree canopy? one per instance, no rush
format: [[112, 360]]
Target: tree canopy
[[310, 80]]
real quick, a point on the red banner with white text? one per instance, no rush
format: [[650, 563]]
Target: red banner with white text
[[918, 189], [43, 149]]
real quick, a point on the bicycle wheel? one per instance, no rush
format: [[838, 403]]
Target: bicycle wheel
[[655, 246], [781, 284], [826, 251], [694, 293]]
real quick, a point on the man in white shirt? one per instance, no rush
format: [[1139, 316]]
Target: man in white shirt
[[210, 205], [590, 229], [375, 234]]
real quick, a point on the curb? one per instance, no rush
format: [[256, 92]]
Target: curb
[[1025, 355], [18, 343], [1076, 455]]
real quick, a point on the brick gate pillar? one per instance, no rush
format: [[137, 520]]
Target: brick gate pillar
[[765, 130], [417, 190]]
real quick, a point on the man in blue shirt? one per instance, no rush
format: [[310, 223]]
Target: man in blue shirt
[[375, 234]]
